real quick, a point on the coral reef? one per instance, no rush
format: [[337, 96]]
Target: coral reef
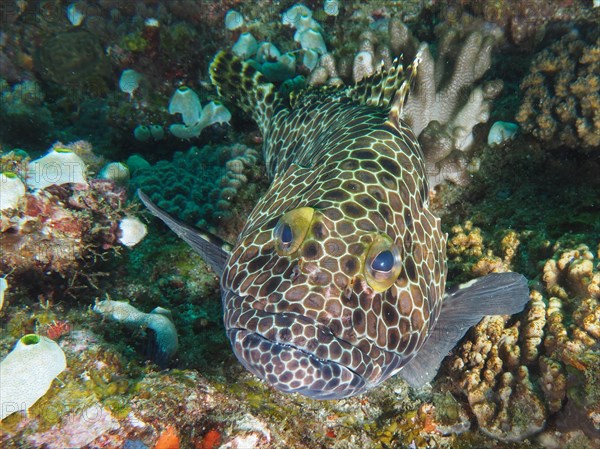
[[516, 374], [561, 93], [529, 381], [525, 21], [448, 98], [59, 229]]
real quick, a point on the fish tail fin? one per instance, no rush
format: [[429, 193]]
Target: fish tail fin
[[401, 93], [494, 294], [242, 84]]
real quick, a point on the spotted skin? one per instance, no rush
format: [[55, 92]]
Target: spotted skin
[[310, 321]]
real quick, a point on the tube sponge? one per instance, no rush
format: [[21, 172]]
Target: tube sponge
[[12, 190], [186, 102], [59, 166], [162, 336], [28, 371], [212, 113], [129, 81]]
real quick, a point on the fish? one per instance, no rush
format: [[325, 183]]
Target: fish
[[337, 280]]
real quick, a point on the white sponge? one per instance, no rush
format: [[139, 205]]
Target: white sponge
[[59, 166], [28, 371]]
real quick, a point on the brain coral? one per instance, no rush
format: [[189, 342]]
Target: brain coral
[[518, 373], [561, 94]]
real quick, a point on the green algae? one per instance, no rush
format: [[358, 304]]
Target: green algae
[[134, 42], [177, 39], [447, 408]]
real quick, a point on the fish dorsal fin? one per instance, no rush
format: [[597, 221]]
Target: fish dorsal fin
[[242, 84], [402, 92], [494, 294], [213, 250], [380, 89]]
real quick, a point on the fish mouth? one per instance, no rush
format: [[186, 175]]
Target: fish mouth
[[296, 354]]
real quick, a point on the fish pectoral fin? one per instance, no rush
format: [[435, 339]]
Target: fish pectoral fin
[[494, 294], [213, 250]]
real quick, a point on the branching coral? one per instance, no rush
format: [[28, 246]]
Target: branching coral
[[516, 374], [444, 106], [467, 248], [561, 94]]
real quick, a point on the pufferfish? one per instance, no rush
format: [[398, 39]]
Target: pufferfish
[[337, 279]]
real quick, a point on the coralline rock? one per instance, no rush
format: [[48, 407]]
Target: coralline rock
[[516, 374], [54, 230], [561, 93]]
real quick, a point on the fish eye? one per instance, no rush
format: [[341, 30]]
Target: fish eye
[[383, 263], [291, 230], [286, 234]]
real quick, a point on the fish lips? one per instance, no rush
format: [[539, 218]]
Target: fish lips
[[296, 354]]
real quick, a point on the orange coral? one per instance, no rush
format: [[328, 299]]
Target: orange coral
[[168, 439], [210, 440]]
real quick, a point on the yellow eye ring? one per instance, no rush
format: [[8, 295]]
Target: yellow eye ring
[[383, 263], [291, 230]]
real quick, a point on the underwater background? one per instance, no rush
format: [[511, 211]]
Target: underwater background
[[101, 98]]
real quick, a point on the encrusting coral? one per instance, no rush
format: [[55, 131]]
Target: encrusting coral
[[561, 93], [518, 373], [199, 186]]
